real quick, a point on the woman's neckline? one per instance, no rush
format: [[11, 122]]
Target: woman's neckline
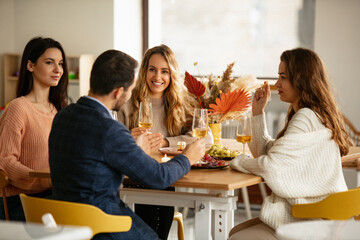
[[53, 111]]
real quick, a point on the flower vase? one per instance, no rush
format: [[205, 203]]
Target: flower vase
[[216, 131], [215, 126]]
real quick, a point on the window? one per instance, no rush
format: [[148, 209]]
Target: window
[[214, 33]]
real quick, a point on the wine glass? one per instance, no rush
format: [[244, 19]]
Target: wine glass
[[243, 130], [200, 123], [145, 115], [114, 115]]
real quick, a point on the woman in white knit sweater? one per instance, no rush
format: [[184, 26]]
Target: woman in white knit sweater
[[303, 163]]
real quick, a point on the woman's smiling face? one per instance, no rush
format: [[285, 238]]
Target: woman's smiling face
[[157, 75]]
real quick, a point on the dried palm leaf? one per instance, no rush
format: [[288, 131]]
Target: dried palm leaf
[[235, 101], [194, 86]]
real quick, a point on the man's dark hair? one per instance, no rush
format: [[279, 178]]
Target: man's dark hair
[[112, 69]]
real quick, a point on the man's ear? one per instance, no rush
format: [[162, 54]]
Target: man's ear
[[118, 92], [30, 66]]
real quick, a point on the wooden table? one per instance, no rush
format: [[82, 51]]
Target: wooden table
[[214, 210], [354, 153]]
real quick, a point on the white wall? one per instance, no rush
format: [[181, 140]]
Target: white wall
[[81, 26], [337, 41]]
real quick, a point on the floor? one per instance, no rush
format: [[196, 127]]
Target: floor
[[189, 222]]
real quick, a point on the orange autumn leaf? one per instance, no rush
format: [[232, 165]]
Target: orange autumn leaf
[[194, 86], [234, 101]]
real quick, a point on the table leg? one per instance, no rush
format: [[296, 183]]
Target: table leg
[[222, 220], [222, 224], [245, 197], [202, 220], [263, 190], [206, 205]]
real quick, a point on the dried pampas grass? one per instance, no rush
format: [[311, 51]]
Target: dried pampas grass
[[247, 82]]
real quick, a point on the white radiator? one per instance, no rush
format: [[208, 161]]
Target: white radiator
[[274, 122]]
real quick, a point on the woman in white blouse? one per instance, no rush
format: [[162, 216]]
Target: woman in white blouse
[[303, 163]]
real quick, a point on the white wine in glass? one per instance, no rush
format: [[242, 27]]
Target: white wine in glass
[[145, 115], [145, 125], [243, 130], [200, 123], [114, 115]]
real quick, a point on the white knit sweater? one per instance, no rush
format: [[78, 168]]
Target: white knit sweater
[[303, 166]]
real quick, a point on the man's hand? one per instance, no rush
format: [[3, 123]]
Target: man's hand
[[149, 142], [135, 132], [195, 151], [155, 140], [143, 142]]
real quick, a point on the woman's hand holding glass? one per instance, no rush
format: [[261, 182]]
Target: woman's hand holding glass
[[136, 132], [148, 141]]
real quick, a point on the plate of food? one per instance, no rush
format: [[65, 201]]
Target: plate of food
[[208, 162], [206, 166], [221, 153], [169, 150], [225, 158]]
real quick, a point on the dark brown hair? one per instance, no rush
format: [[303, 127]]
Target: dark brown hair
[[112, 69], [33, 50], [307, 74]]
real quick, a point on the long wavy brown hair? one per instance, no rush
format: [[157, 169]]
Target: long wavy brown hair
[[306, 73], [178, 103]]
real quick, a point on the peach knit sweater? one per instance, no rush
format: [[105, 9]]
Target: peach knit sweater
[[24, 133]]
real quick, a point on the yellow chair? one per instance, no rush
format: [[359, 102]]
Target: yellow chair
[[76, 214], [337, 206], [180, 229], [4, 181]]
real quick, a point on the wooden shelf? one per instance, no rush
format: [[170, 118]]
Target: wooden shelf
[[12, 78]]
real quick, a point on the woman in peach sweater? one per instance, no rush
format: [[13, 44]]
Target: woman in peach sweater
[[25, 125]]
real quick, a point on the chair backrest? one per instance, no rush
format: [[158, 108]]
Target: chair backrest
[[337, 206], [77, 214], [351, 130], [4, 181]]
